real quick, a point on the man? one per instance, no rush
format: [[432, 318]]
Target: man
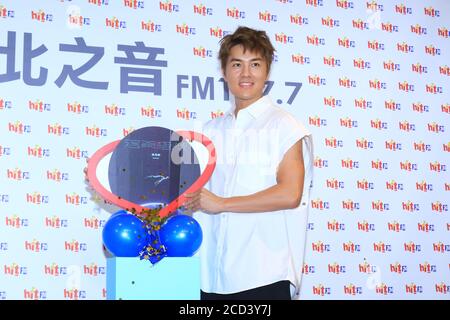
[[253, 212]]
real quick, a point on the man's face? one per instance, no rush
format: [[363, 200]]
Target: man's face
[[246, 74]]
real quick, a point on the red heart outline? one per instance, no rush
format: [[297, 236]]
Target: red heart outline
[[130, 206]]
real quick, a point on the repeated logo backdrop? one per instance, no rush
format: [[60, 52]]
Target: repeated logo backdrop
[[370, 79]]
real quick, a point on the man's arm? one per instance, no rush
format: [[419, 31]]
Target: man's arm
[[285, 194]]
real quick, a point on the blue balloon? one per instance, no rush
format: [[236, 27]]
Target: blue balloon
[[125, 235], [181, 235]]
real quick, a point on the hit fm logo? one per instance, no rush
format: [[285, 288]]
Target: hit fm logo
[[443, 32], [74, 246], [346, 82], [321, 290], [99, 2], [380, 206], [346, 43], [186, 114], [336, 268], [331, 61], [75, 199], [93, 270], [294, 19], [150, 112], [351, 289], [235, 13], [396, 226], [398, 268], [348, 122], [96, 132], [38, 151], [392, 105], [315, 40], [307, 269], [5, 104], [37, 198], [55, 222], [185, 29], [76, 153], [39, 106], [320, 163], [133, 4], [202, 10], [54, 270], [330, 22], [335, 226], [57, 130], [202, 52], [6, 13], [115, 23], [389, 27], [362, 103], [76, 20], [334, 184], [74, 294], [365, 226], [283, 38], [150, 26], [351, 247], [94, 223], [168, 6], [41, 16], [402, 9], [15, 270], [34, 294], [317, 121], [367, 268], [320, 247], [216, 114], [17, 174], [18, 127], [267, 16], [300, 58], [114, 110], [16, 222], [314, 3], [77, 108], [344, 4], [379, 165], [218, 32], [316, 80], [35, 246]]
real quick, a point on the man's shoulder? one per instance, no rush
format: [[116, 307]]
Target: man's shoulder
[[214, 124], [284, 117], [286, 121]]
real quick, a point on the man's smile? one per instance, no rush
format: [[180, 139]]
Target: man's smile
[[246, 84]]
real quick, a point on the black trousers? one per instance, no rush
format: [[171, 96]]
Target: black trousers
[[276, 291]]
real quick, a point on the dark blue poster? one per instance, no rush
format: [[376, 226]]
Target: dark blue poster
[[152, 166]]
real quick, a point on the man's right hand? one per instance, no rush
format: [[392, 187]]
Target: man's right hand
[[85, 170]]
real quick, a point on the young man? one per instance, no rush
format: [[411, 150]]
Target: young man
[[253, 211]]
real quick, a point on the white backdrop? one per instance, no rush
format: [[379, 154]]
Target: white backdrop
[[369, 79]]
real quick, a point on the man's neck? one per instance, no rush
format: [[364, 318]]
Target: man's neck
[[242, 104]]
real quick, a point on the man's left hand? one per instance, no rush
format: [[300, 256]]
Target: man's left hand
[[205, 201]]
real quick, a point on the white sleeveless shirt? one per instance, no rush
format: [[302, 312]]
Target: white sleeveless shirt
[[241, 251]]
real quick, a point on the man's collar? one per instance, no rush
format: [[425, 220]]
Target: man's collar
[[256, 108]]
